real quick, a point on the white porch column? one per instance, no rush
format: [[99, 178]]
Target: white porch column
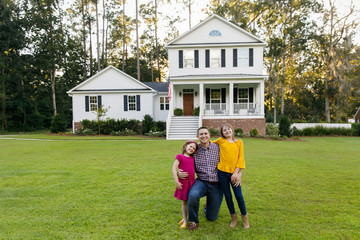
[[262, 98], [201, 103], [231, 101]]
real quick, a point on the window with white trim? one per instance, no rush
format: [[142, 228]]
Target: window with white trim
[[93, 103], [215, 58], [243, 95], [132, 102], [164, 103], [215, 95], [188, 58], [243, 57]]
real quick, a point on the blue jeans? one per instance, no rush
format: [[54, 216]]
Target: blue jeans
[[213, 201], [225, 182]]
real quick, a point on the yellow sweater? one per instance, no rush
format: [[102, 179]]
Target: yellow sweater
[[231, 155]]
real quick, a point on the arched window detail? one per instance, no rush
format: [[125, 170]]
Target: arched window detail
[[215, 33]]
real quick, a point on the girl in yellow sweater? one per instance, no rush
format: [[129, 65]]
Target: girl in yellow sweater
[[229, 172]]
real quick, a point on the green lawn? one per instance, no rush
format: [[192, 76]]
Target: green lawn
[[88, 188]]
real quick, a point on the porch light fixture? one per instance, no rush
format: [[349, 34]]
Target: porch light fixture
[[179, 94], [195, 94]]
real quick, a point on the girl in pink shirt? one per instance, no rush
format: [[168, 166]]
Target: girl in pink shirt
[[185, 162]]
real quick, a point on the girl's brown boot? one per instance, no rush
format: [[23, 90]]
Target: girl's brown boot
[[245, 221], [234, 220]]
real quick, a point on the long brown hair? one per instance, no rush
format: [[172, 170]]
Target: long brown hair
[[229, 126]]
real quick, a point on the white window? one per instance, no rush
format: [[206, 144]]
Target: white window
[[164, 103], [93, 103], [243, 57], [188, 59], [132, 102], [215, 58], [243, 98], [215, 96]]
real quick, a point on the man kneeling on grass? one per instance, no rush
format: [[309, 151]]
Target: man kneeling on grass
[[207, 184]]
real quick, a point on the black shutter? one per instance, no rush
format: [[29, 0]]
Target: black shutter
[[125, 102], [207, 91], [99, 102], [137, 102], [251, 57], [223, 95], [207, 58], [235, 95], [251, 95], [87, 107], [235, 57], [196, 56], [181, 59], [222, 57]]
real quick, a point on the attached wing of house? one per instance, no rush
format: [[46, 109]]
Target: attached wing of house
[[124, 96]]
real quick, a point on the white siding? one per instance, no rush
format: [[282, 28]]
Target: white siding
[[115, 104], [159, 115], [111, 79], [228, 34], [174, 69]]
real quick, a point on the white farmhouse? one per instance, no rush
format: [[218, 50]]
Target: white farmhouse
[[216, 69]]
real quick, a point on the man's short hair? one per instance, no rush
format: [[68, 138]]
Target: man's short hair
[[197, 133]]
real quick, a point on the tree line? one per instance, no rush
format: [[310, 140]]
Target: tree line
[[48, 47]]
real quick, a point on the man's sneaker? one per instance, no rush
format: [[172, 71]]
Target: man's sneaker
[[193, 226]]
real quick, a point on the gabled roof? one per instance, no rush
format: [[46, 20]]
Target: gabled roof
[[120, 75], [255, 40]]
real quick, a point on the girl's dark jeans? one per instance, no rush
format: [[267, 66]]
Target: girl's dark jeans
[[225, 182]]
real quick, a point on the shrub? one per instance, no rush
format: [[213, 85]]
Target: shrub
[[147, 124], [355, 129], [238, 132], [272, 130], [125, 132], [178, 112], [254, 132], [284, 126], [58, 124], [134, 125], [156, 133], [161, 126], [196, 111], [82, 132], [214, 132]]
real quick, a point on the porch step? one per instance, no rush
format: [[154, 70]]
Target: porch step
[[183, 128]]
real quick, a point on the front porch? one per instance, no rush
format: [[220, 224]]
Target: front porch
[[240, 103], [232, 99]]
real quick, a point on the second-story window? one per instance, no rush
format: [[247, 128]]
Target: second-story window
[[188, 58], [215, 58], [243, 57]]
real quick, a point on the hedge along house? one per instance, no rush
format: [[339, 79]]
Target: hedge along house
[[216, 67], [124, 96]]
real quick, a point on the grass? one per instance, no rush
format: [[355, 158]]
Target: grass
[[122, 189]]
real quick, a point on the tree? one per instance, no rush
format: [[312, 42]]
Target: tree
[[335, 29]]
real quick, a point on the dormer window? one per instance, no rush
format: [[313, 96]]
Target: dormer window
[[215, 33]]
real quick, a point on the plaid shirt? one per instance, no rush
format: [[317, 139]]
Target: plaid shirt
[[206, 161]]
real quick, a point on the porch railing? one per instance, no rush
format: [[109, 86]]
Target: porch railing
[[240, 109]]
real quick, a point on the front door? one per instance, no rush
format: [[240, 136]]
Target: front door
[[188, 103]]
